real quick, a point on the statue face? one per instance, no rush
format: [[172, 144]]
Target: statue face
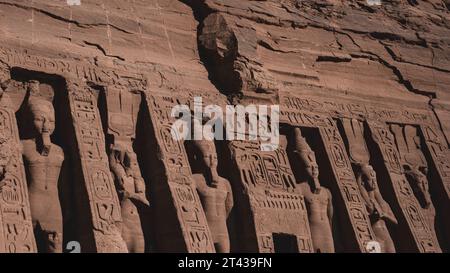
[[43, 117], [369, 176], [210, 160], [420, 182], [311, 167]]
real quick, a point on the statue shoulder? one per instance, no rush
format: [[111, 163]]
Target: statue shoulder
[[27, 146], [58, 149], [199, 181]]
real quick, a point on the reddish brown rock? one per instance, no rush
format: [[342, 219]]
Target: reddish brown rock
[[366, 85]]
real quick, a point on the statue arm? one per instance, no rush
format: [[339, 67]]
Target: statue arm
[[365, 196], [115, 170], [330, 208], [387, 211], [66, 196], [229, 201]]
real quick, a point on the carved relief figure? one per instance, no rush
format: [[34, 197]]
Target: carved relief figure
[[378, 209], [317, 198], [215, 194], [124, 166], [416, 169], [131, 190], [44, 167]]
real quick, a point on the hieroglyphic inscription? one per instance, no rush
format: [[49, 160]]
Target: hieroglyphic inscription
[[103, 201], [16, 231], [92, 73], [410, 208], [346, 183], [340, 108], [342, 169], [191, 216], [440, 154], [269, 182]]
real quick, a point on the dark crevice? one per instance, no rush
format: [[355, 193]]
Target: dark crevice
[[99, 47]]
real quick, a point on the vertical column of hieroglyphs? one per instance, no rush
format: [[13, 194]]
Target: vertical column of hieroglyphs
[[189, 212], [103, 201], [410, 208], [16, 231], [16, 234], [347, 184], [440, 155], [266, 180]]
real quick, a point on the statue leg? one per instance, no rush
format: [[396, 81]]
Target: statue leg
[[383, 236], [53, 241], [222, 244], [132, 231]]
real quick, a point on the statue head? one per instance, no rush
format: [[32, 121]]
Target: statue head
[[207, 153], [43, 116], [368, 176], [206, 147], [417, 176], [307, 159]]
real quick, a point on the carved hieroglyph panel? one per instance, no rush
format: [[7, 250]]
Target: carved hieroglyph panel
[[16, 230], [343, 108], [189, 211], [103, 200], [346, 182], [268, 180], [342, 170], [410, 208]]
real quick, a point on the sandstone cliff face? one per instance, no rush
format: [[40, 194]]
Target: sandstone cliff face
[[365, 84]]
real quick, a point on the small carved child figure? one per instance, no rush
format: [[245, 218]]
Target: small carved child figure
[[44, 167], [317, 198], [215, 194]]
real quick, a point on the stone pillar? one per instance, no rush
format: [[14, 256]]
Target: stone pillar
[[97, 202], [16, 230], [181, 225], [421, 237]]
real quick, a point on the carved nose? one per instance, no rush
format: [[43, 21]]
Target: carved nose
[[45, 124]]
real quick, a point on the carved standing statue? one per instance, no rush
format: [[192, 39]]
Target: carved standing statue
[[45, 173], [416, 170], [417, 177], [378, 209], [131, 190], [317, 198], [215, 194], [124, 166]]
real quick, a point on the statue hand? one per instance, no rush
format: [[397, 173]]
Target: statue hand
[[140, 198]]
